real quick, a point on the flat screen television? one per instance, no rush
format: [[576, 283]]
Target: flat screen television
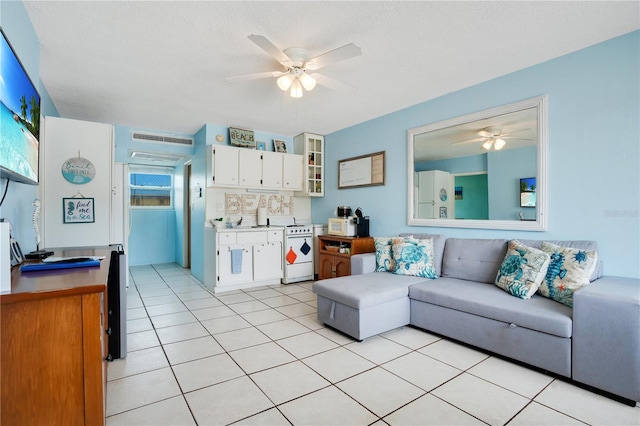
[[19, 119], [528, 192]]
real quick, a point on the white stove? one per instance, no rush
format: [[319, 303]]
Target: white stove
[[298, 253]]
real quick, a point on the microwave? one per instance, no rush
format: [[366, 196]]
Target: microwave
[[343, 226]]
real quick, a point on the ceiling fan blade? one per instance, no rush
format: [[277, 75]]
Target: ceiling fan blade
[[336, 55], [255, 76], [271, 49], [474, 140], [332, 83], [515, 131]]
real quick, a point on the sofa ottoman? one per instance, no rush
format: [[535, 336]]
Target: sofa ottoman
[[364, 305]]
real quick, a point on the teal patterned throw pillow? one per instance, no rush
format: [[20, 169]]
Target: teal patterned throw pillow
[[569, 269], [522, 270], [384, 258], [413, 257]]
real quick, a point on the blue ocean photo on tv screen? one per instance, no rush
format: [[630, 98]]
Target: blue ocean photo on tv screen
[[19, 118]]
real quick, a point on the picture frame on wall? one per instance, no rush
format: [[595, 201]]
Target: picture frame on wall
[[279, 145], [242, 138], [78, 210]]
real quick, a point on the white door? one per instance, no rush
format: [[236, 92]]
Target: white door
[[224, 165], [225, 265], [250, 166], [65, 140], [272, 169], [267, 261]]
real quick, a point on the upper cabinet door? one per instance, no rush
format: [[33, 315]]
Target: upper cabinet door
[[272, 169], [312, 148], [292, 177], [250, 175], [224, 165]]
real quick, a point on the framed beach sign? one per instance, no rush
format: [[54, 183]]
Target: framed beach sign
[[78, 210], [242, 138]]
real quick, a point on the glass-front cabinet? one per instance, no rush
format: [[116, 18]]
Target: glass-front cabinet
[[311, 146]]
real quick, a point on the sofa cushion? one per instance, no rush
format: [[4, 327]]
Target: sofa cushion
[[413, 257], [568, 270], [384, 256], [365, 290], [438, 247], [522, 270], [487, 300], [577, 244], [475, 260]]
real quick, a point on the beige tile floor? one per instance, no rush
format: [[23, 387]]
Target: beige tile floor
[[260, 357]]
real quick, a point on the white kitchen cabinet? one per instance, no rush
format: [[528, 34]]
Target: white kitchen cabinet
[[311, 147], [224, 166], [226, 275], [267, 261], [434, 195], [261, 253], [250, 168], [272, 169], [292, 172], [247, 168]]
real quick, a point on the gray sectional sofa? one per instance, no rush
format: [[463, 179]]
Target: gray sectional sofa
[[597, 342]]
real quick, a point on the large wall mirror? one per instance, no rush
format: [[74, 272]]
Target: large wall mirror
[[483, 170]]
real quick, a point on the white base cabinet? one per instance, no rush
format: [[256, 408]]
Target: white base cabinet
[[258, 260]]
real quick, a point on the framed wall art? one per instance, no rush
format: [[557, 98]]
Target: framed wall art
[[279, 145], [365, 170], [78, 210]]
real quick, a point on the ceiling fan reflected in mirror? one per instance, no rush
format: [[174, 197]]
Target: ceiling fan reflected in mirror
[[493, 137], [299, 66]]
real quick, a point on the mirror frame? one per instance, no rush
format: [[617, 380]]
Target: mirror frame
[[540, 224]]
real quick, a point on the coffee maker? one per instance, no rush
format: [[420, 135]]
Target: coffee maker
[[362, 223]]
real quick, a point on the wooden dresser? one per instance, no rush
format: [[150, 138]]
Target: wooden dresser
[[335, 254], [53, 345]]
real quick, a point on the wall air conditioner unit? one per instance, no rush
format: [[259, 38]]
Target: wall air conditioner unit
[[156, 157], [159, 137]]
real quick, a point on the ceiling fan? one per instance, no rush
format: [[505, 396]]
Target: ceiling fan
[[300, 66], [493, 137]]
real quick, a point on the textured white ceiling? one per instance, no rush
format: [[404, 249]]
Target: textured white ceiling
[[162, 65]]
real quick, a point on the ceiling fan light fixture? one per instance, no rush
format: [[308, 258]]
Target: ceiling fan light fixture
[[296, 89], [307, 81], [499, 144], [487, 144], [285, 82]]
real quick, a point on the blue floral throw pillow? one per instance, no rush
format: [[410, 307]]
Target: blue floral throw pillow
[[413, 257], [384, 258], [569, 269], [522, 270]]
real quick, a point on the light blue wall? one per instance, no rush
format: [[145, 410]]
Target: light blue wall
[[152, 238], [17, 206], [505, 170], [475, 201], [594, 151]]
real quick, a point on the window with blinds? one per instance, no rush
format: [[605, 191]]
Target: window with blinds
[[149, 188]]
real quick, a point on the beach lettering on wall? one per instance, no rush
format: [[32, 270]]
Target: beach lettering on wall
[[238, 204]]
